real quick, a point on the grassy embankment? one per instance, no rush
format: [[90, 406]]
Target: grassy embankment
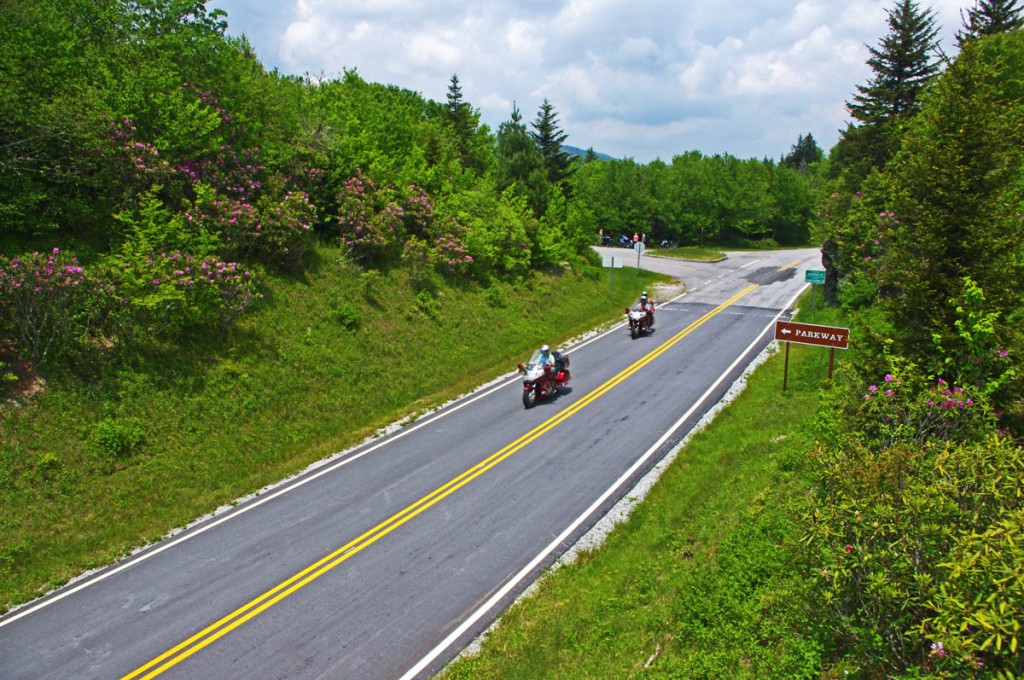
[[702, 580], [689, 253], [89, 471]]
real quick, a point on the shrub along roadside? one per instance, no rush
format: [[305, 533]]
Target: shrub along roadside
[[702, 580], [88, 471], [913, 528]]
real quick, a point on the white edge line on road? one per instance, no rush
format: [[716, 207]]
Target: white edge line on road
[[24, 610], [551, 547]]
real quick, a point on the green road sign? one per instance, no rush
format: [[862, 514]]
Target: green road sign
[[815, 276]]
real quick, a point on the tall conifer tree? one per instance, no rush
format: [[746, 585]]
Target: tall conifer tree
[[803, 153], [989, 17], [520, 164], [549, 138], [463, 121], [903, 64]]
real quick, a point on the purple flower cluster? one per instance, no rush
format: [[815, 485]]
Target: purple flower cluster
[[951, 398], [142, 158], [385, 224], [40, 273], [249, 216], [44, 296], [452, 252]]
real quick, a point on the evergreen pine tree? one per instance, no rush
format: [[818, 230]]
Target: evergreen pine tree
[[803, 153], [459, 113], [903, 64], [463, 121], [520, 164], [549, 138], [989, 17]]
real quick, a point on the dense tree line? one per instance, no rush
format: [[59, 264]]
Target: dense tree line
[[699, 200]]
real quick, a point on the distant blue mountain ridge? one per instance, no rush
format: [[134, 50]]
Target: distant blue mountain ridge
[[576, 151]]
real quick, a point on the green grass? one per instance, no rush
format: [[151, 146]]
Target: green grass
[[689, 253], [701, 580], [89, 471]]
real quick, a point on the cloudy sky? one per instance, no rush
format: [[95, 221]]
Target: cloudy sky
[[639, 79]]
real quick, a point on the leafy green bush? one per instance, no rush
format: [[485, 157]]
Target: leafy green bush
[[7, 377], [496, 296], [346, 315], [496, 237], [428, 305], [979, 608], [118, 438], [909, 550], [915, 489]]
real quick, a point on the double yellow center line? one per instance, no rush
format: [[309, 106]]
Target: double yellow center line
[[255, 607]]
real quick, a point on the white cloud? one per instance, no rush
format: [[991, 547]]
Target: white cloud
[[645, 79]]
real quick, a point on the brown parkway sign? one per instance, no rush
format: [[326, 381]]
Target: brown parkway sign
[[811, 334]]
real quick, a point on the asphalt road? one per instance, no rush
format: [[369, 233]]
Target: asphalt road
[[389, 559]]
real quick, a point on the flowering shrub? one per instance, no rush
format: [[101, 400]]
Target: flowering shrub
[[142, 158], [165, 292], [49, 301], [285, 230], [235, 221], [913, 566], [418, 258], [913, 485], [384, 225], [254, 212], [452, 254], [906, 406], [370, 220]]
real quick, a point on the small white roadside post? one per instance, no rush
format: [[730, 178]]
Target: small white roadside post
[[612, 263]]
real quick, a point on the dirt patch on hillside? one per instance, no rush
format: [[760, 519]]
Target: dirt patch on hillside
[[26, 383]]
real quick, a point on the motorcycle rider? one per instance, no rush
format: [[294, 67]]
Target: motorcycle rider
[[556, 360], [648, 307]]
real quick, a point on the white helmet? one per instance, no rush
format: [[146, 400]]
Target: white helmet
[[544, 349]]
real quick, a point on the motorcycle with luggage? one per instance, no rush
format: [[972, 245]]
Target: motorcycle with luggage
[[543, 375], [638, 320]]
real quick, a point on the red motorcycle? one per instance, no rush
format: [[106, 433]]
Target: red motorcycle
[[639, 320], [541, 379]]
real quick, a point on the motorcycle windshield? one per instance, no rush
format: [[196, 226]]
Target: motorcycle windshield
[[535, 360]]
